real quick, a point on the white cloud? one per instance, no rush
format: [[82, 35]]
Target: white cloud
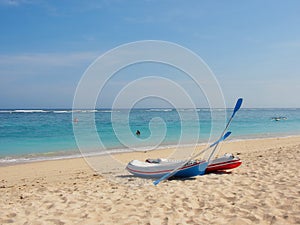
[[20, 70], [287, 44], [48, 59], [41, 79], [14, 2]]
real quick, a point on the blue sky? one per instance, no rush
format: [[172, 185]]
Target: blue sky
[[253, 47]]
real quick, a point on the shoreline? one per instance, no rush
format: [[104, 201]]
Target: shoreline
[[76, 153], [263, 190]]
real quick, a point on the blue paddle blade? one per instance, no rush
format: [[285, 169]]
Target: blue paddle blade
[[238, 105], [156, 182], [226, 135]]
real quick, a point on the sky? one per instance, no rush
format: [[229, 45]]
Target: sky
[[252, 47]]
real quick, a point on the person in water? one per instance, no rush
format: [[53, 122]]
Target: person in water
[[138, 133]]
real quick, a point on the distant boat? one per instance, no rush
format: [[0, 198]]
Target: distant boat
[[278, 118]]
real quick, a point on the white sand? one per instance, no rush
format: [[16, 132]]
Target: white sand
[[264, 190]]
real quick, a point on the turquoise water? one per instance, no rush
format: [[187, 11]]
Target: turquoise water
[[37, 134]]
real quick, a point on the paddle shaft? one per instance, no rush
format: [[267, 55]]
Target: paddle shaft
[[236, 108], [216, 146], [223, 137]]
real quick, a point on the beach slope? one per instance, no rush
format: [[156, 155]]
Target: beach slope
[[264, 190]]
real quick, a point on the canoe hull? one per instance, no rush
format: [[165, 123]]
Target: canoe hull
[[157, 171], [159, 167], [227, 165]]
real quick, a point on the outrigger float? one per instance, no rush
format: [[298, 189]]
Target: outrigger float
[[166, 168]]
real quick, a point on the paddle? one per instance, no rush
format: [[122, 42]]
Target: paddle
[[236, 108], [202, 166]]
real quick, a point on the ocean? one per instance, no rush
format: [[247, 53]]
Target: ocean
[[44, 134]]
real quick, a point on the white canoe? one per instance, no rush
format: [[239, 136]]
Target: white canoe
[[156, 168]]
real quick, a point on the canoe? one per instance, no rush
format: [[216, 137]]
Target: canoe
[[156, 168]]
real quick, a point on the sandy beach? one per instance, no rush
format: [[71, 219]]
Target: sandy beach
[[265, 189]]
